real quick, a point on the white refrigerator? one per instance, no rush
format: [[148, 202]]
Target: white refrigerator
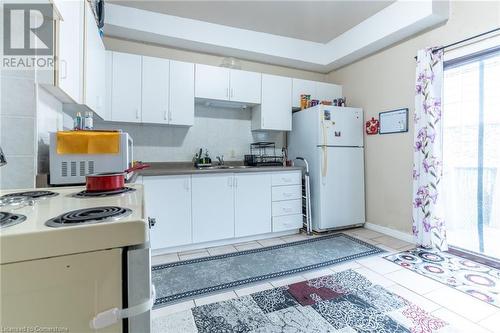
[[330, 138]]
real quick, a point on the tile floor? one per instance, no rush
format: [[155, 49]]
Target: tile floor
[[459, 309]]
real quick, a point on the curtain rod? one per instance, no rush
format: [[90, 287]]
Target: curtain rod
[[464, 40]]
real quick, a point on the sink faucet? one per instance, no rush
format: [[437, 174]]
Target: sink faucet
[[220, 160], [3, 160]]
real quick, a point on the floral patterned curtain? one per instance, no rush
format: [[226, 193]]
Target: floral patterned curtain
[[428, 223]]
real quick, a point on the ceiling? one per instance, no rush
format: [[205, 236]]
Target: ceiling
[[316, 21]]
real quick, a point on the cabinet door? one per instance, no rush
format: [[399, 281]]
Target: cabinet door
[[181, 93], [70, 43], [213, 207], [126, 88], [327, 91], [302, 87], [94, 65], [168, 199], [276, 106], [252, 204], [212, 82], [245, 86], [155, 90]]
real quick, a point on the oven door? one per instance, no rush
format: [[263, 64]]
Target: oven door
[[138, 294], [139, 288]]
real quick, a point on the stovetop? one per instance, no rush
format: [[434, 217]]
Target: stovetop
[[9, 219], [37, 194], [89, 216], [87, 194]]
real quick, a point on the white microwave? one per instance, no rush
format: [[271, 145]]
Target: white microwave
[[72, 168]]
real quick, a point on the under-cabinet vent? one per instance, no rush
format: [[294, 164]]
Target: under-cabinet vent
[[64, 169]]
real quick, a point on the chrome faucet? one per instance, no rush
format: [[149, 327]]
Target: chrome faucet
[[3, 160], [220, 159]]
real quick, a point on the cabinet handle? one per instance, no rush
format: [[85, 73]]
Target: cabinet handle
[[232, 92], [169, 115], [227, 92], [286, 180], [287, 209], [288, 195], [230, 182], [235, 182], [186, 185], [136, 113], [165, 116]]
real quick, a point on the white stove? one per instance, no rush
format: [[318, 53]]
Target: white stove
[[73, 261]]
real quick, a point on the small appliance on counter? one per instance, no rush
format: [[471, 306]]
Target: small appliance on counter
[[202, 161], [263, 154], [75, 154]]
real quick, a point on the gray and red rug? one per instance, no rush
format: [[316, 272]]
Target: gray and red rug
[[470, 277], [344, 302]]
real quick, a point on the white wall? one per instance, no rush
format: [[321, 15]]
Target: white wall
[[18, 128], [385, 81], [222, 131]]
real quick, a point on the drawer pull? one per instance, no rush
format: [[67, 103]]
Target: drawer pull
[[287, 194]]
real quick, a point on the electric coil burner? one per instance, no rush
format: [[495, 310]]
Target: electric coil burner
[[89, 216], [9, 219], [32, 194], [87, 194]]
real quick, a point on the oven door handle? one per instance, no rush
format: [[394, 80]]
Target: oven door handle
[[112, 316]]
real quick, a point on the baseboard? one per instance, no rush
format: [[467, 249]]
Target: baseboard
[[223, 242], [390, 232]]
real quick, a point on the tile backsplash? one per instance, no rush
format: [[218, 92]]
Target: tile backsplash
[[222, 131]]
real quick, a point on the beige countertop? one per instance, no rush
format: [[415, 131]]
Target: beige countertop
[[183, 168]]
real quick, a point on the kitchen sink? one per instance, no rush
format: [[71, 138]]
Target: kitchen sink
[[217, 167]]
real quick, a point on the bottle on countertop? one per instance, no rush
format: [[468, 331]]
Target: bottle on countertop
[[89, 121], [77, 121]]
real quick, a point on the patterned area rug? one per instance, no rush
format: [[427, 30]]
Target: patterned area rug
[[344, 302], [475, 279], [186, 279]]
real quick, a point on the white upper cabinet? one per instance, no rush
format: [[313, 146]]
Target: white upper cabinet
[[302, 87], [212, 82], [245, 87], [95, 66], [69, 76], [181, 103], [155, 90], [126, 87], [275, 110], [327, 91], [252, 204], [224, 84]]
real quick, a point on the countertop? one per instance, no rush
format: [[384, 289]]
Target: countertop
[[186, 168]]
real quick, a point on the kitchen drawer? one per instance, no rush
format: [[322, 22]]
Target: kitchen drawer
[[288, 207], [287, 178], [289, 192], [287, 222]]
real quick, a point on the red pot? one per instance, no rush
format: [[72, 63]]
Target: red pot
[[109, 181]]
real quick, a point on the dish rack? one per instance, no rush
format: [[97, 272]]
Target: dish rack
[[263, 154]]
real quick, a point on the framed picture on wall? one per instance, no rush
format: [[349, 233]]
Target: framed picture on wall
[[394, 121]]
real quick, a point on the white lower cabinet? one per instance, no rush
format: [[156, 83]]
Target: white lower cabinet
[[199, 208], [252, 204], [213, 207], [168, 200]]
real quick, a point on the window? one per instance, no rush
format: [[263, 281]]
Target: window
[[471, 152]]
